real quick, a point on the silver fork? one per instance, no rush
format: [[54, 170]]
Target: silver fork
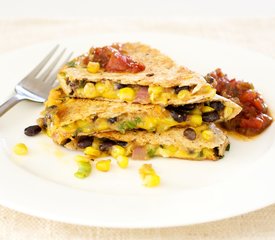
[[37, 84]]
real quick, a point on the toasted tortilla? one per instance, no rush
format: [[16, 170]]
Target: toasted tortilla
[[160, 70]]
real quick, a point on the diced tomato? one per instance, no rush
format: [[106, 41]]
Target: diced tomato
[[252, 123], [113, 60]]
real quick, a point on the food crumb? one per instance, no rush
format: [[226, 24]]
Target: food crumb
[[20, 149]]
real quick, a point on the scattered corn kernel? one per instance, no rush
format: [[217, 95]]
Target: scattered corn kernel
[[146, 169], [84, 169], [79, 158], [117, 151], [101, 124], [91, 151], [207, 109], [122, 161], [149, 176], [93, 67], [207, 135], [126, 94], [195, 120], [183, 94], [20, 149], [103, 165], [151, 180], [90, 90]]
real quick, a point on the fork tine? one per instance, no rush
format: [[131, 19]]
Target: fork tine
[[38, 68], [52, 78], [47, 71]]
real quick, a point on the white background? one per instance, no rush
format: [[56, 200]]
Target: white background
[[137, 8]]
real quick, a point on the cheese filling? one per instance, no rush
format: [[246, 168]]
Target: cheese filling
[[132, 93], [105, 147]]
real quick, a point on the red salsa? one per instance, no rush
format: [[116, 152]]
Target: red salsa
[[254, 117], [112, 59]]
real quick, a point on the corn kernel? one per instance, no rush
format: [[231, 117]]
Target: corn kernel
[[207, 109], [146, 169], [91, 151], [20, 149], [100, 87], [207, 88], [163, 152], [208, 153], [196, 111], [117, 151], [163, 98], [149, 123], [207, 135], [110, 94], [96, 143], [195, 120], [151, 180], [227, 112], [101, 124], [93, 67], [90, 90], [103, 165], [154, 92], [126, 94], [165, 123], [122, 161], [79, 158], [84, 169], [171, 148], [183, 94]]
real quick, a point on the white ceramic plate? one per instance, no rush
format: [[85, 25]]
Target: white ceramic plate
[[42, 183]]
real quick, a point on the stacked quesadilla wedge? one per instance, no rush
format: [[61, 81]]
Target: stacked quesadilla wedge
[[133, 96]]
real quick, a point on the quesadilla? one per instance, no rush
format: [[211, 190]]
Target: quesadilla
[[134, 73], [66, 117]]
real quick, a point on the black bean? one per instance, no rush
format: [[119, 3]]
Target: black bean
[[32, 130], [85, 141], [210, 116], [188, 107], [106, 145], [178, 117], [119, 86], [190, 133], [121, 143], [112, 120], [217, 105], [178, 89], [66, 141], [150, 74]]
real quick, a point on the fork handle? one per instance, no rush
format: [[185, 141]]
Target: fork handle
[[16, 98]]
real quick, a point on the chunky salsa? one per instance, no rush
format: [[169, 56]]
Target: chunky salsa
[[112, 59], [254, 117]]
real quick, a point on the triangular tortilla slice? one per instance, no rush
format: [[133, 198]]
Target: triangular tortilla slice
[[65, 117], [161, 82]]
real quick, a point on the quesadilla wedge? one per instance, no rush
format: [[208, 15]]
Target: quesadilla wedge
[[65, 117], [135, 73], [143, 145]]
